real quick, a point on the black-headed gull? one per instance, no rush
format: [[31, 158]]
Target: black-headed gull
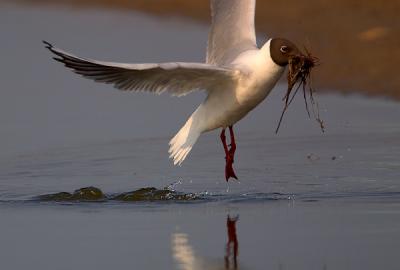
[[237, 76]]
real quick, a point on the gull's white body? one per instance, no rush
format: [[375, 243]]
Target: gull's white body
[[256, 75], [237, 74]]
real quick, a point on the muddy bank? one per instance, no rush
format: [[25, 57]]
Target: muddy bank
[[358, 42]]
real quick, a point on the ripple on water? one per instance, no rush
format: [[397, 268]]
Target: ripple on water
[[152, 194]]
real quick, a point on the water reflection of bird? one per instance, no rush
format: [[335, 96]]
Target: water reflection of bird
[[232, 247], [237, 76], [186, 259], [183, 253]]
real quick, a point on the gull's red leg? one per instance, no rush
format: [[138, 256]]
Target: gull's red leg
[[223, 139], [232, 150], [228, 157]]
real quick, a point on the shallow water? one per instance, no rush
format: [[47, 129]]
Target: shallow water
[[297, 208], [305, 200]]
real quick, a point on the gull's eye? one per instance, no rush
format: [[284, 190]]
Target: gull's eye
[[284, 49]]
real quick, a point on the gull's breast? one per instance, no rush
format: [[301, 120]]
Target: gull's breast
[[225, 107]]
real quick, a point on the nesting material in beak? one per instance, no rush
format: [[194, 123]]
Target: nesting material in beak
[[299, 73]]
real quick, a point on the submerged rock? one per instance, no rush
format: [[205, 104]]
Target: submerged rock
[[82, 194], [153, 194]]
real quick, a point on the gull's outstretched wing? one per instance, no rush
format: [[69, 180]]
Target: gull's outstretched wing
[[176, 78], [232, 30]]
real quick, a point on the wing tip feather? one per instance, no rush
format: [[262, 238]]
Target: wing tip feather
[[47, 44]]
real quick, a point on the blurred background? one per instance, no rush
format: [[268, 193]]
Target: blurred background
[[358, 42]]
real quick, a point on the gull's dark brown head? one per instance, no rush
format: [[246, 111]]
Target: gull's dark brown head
[[282, 50], [285, 53]]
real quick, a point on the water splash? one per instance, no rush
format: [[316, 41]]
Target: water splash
[[172, 186]]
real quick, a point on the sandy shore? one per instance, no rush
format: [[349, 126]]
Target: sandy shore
[[358, 42]]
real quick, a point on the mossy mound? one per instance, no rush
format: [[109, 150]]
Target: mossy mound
[[82, 194], [153, 194], [91, 194]]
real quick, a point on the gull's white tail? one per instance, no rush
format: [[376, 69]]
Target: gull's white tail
[[182, 143]]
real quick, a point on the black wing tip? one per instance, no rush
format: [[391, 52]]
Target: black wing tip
[[59, 60], [48, 44], [52, 49]]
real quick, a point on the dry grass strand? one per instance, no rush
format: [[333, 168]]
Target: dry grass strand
[[299, 73]]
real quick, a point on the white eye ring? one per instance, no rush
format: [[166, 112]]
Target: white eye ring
[[284, 49]]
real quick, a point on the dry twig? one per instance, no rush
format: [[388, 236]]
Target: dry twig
[[299, 73]]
